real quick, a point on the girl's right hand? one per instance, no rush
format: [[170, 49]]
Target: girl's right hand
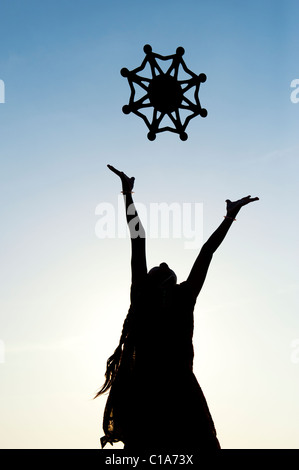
[[127, 182]]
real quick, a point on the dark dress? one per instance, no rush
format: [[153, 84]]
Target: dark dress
[[156, 403]]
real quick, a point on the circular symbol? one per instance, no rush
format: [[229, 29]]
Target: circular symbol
[[165, 93]]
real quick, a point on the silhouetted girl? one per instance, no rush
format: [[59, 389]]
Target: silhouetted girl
[[155, 402]]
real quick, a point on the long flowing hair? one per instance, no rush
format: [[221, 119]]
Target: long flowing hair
[[120, 355], [119, 370]]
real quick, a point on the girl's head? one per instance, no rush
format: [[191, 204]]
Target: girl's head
[[162, 276]]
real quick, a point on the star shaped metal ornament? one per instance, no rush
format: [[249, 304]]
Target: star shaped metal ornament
[[165, 93]]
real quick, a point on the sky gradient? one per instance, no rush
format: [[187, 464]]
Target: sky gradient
[[65, 291]]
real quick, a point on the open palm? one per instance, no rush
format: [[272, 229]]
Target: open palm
[[234, 207]]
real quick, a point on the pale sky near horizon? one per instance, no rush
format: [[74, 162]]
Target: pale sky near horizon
[[65, 291]]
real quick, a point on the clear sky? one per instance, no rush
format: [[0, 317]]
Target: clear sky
[[64, 290]]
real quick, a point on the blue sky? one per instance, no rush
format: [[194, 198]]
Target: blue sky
[[64, 291]]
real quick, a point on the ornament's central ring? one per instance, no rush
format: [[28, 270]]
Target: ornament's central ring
[[165, 93]]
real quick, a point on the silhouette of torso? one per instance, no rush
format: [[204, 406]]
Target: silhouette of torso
[[165, 407], [163, 329]]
